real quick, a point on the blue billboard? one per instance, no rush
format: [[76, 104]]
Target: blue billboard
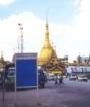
[[26, 70]]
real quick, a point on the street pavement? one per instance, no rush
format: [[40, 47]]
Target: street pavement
[[68, 94]]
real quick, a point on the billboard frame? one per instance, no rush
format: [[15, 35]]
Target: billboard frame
[[26, 56]]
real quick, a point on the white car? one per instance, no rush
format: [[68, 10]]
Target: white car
[[82, 78], [72, 78]]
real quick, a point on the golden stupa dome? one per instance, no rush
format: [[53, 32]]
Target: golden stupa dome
[[47, 52]]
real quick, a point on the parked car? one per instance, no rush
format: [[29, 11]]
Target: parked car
[[51, 77], [10, 81], [72, 77], [82, 78]]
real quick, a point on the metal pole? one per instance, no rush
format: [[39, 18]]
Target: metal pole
[[3, 87], [21, 36], [21, 40], [15, 87]]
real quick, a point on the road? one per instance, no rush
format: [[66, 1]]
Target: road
[[69, 94]]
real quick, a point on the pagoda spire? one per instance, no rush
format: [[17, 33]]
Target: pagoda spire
[[47, 42], [2, 58], [47, 51]]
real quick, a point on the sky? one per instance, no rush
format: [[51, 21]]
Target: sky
[[69, 26]]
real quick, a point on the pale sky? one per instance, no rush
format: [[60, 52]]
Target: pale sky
[[69, 26]]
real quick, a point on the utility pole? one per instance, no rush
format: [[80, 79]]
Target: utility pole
[[21, 37]]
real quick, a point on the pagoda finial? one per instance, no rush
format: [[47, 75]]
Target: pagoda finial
[[47, 42]]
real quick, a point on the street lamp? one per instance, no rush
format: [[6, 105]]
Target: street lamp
[[21, 37]]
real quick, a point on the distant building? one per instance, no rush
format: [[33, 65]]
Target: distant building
[[83, 60]]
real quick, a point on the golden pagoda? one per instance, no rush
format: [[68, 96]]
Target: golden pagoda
[[48, 59], [47, 51]]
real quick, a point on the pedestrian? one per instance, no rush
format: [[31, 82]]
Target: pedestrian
[[56, 79], [61, 79]]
